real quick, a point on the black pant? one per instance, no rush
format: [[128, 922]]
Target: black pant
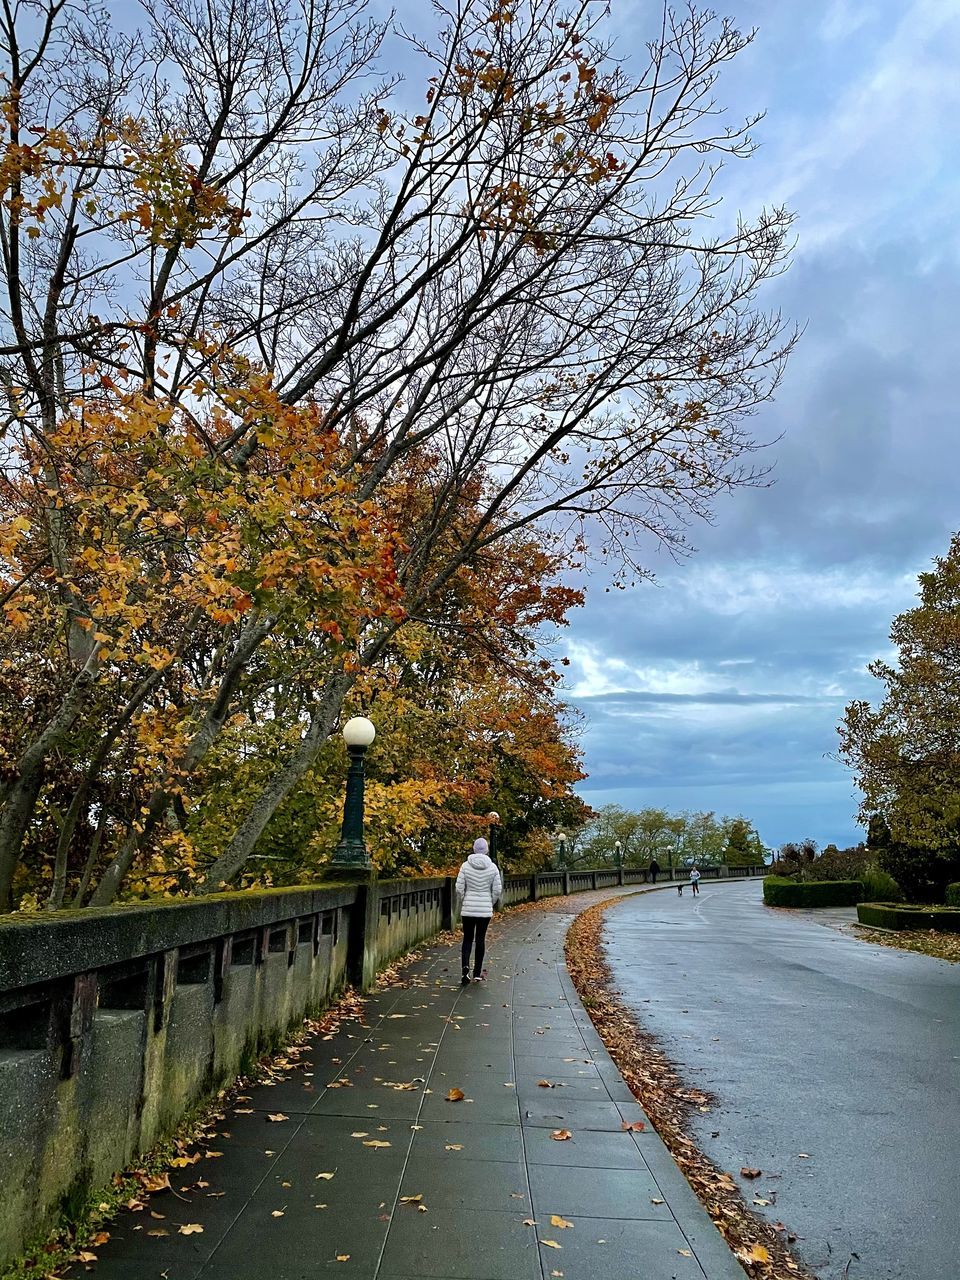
[[474, 927]]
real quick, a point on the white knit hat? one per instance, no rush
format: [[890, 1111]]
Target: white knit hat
[[481, 846]]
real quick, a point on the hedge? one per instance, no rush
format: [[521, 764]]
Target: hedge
[[896, 915], [953, 894], [779, 891]]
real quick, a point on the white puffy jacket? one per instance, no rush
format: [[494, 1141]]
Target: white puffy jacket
[[479, 886]]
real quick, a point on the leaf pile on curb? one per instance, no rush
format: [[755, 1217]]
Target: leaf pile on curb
[[759, 1247]]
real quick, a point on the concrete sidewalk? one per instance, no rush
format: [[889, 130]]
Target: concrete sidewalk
[[373, 1173]]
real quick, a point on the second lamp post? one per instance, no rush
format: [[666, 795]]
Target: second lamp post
[[351, 852]]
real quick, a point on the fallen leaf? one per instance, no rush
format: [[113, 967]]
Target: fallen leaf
[[100, 1238], [422, 1208], [411, 1199], [685, 1253], [343, 1257], [181, 1162], [561, 1135], [545, 1084], [760, 1200], [158, 1231], [803, 1155], [655, 1201], [243, 1111], [277, 1213], [191, 1229], [377, 1144], [633, 1126], [530, 1222], [325, 1176], [557, 1221], [213, 1155], [277, 1116], [456, 1095], [759, 1253], [750, 1173], [551, 1244], [360, 1134], [454, 1146]]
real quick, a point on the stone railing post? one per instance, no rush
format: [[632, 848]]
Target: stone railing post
[[362, 954], [534, 888], [566, 883]]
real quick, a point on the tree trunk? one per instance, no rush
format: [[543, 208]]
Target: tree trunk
[[20, 799], [13, 824], [280, 785]]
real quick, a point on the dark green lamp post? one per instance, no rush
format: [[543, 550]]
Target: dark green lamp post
[[493, 818], [562, 848], [618, 848], [351, 853]]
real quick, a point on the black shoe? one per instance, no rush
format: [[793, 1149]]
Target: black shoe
[[465, 980]]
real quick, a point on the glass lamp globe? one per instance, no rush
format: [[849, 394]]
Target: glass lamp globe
[[359, 732]]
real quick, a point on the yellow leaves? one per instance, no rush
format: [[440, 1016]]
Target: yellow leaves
[[557, 1221], [191, 1229], [377, 1144], [551, 1244], [561, 1135], [756, 1253], [455, 1095], [154, 1182]]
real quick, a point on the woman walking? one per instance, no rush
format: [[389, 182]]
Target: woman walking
[[479, 889]]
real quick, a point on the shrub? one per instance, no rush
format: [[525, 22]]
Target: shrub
[[880, 886], [953, 894], [839, 864], [922, 874], [893, 915], [778, 891]]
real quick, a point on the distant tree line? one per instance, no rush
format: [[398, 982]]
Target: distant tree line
[[672, 839]]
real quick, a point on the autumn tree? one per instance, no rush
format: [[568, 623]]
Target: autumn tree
[[516, 303], [744, 847], [905, 750]]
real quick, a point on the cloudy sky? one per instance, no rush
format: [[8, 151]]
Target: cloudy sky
[[720, 686]]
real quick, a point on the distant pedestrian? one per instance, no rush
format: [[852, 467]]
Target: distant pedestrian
[[479, 889], [654, 870], [695, 880]]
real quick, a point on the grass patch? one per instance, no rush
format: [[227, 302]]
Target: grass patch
[[926, 942]]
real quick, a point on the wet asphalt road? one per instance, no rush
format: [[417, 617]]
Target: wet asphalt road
[[812, 1042]]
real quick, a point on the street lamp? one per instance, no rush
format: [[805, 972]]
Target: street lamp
[[618, 850], [351, 852], [493, 818], [562, 847]]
